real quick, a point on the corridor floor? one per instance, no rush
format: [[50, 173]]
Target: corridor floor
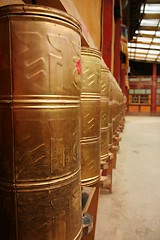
[[132, 211]]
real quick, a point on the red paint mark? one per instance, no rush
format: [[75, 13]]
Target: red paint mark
[[78, 66]]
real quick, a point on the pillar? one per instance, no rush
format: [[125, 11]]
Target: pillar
[[117, 43], [154, 88], [108, 33]]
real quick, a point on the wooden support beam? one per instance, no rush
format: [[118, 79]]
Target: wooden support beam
[[107, 29], [152, 1], [144, 43], [117, 48], [143, 48], [154, 88], [151, 16], [149, 28], [146, 35]]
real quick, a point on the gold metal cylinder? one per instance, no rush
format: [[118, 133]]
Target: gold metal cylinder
[[39, 131], [110, 111], [114, 108], [104, 114], [90, 116]]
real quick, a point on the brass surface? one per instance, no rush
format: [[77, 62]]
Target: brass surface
[[116, 108], [104, 144], [90, 116], [39, 131], [104, 114], [110, 125], [90, 166], [44, 211], [117, 94]]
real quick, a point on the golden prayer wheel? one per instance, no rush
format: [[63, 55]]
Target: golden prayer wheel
[[104, 114], [110, 111], [117, 110], [114, 116], [40, 190], [90, 116], [122, 111]]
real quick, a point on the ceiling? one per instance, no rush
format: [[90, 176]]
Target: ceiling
[[144, 30]]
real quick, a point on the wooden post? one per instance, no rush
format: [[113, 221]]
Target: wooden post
[[108, 35], [154, 88], [117, 43]]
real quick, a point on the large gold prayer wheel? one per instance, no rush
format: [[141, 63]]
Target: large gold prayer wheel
[[40, 187], [90, 116], [104, 114]]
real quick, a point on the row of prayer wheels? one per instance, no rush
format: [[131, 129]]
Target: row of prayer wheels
[[115, 123], [60, 111]]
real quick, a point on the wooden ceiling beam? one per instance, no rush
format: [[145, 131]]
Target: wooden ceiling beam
[[149, 28], [146, 35], [152, 1], [144, 48], [151, 15], [145, 43]]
